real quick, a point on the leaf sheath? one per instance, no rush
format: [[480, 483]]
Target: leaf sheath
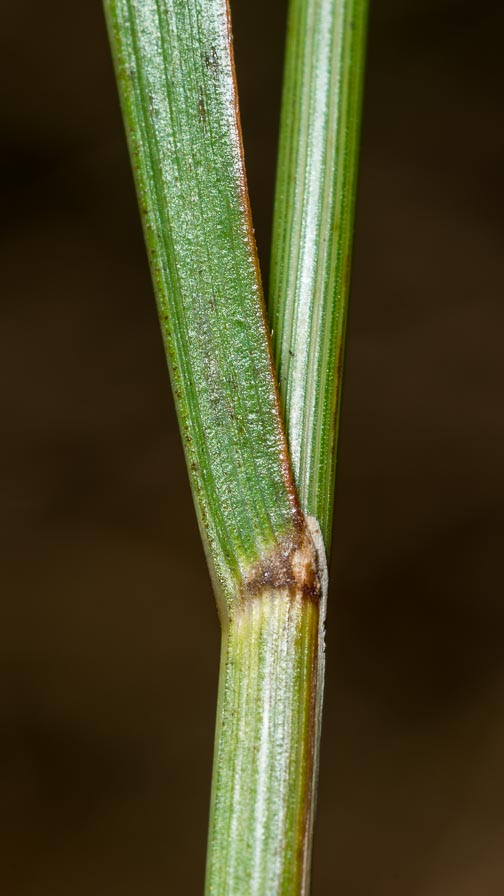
[[263, 795]]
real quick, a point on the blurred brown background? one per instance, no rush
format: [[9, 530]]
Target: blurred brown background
[[106, 703]]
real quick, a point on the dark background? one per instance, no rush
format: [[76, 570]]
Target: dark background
[[108, 636]]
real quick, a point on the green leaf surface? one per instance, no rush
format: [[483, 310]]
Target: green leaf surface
[[176, 80], [312, 234]]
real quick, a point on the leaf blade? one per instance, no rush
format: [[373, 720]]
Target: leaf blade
[[176, 80]]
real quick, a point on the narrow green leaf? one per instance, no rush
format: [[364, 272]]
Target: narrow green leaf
[[312, 234], [176, 80]]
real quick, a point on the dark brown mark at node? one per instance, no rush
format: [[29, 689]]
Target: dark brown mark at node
[[292, 565]]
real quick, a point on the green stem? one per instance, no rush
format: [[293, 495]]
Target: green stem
[[266, 753], [312, 234]]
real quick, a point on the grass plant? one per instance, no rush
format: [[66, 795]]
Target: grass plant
[[258, 419]]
